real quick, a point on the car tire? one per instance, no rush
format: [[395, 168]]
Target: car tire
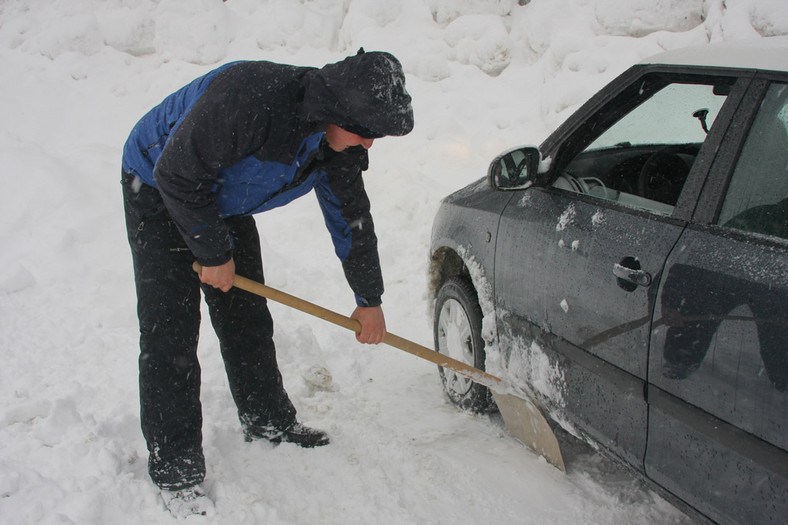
[[457, 330]]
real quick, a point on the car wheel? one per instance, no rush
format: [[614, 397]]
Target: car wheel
[[457, 328]]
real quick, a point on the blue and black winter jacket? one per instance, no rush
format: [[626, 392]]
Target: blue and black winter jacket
[[248, 137]]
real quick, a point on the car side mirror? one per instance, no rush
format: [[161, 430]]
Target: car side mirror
[[515, 169]]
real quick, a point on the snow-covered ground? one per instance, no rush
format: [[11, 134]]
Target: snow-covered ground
[[484, 74]]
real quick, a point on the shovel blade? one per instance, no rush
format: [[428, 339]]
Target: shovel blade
[[526, 423]]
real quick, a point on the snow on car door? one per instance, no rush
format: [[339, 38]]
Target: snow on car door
[[577, 264], [566, 282]]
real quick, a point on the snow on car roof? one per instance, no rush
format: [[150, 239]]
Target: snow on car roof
[[769, 53]]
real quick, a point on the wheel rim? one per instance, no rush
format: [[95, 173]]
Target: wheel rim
[[455, 339]]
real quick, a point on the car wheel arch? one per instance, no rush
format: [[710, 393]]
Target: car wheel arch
[[448, 262]]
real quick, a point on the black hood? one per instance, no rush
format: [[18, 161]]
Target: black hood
[[364, 93]]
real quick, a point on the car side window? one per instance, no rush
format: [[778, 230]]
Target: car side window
[[757, 197], [643, 159]]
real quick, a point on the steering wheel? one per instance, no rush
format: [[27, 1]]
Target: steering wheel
[[662, 176]]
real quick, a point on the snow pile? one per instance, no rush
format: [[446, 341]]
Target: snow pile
[[484, 74]]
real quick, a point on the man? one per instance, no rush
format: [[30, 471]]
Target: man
[[243, 139]]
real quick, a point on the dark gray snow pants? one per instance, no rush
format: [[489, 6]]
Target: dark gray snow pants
[[168, 307]]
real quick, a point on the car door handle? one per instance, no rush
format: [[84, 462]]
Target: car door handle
[[629, 271]]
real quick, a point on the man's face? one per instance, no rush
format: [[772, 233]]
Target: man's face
[[339, 139]]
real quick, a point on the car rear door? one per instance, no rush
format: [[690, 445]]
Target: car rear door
[[578, 263], [718, 423]]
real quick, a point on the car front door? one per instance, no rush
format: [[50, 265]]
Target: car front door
[[578, 263], [718, 424]]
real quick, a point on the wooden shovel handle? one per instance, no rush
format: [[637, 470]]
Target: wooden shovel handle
[[474, 374]]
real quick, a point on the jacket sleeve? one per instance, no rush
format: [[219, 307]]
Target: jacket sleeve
[[346, 211], [218, 131]]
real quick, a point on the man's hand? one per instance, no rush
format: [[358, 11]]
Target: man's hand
[[373, 324], [221, 277]]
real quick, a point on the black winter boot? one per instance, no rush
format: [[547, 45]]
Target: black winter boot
[[297, 434]]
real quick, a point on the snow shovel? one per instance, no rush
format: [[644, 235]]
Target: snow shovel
[[522, 418]]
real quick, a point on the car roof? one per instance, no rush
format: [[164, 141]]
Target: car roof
[[768, 53]]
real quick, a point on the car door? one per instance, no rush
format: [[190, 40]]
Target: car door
[[578, 262], [718, 425]]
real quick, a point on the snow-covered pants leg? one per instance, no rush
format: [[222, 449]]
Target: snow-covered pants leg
[[168, 308]]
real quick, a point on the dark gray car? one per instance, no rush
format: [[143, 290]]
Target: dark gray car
[[632, 272]]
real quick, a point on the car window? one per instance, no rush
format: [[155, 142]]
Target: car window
[[757, 197], [666, 118], [642, 160]]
